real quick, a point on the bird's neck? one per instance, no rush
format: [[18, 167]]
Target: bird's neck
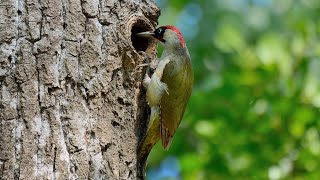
[[175, 49]]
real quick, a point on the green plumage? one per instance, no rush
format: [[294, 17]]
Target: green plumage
[[168, 89], [178, 75]]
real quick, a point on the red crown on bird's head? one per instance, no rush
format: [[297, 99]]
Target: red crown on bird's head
[[179, 34]]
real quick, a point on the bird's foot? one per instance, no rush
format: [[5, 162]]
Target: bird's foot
[[151, 65], [143, 65], [146, 60]]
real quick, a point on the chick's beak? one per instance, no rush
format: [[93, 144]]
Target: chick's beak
[[146, 34]]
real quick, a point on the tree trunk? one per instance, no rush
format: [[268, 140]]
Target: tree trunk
[[72, 105]]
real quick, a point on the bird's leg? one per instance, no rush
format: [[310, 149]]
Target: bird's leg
[[147, 60], [143, 65]]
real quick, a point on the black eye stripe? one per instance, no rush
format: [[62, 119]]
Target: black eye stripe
[[159, 34]]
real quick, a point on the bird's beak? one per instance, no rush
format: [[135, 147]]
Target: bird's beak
[[146, 34]]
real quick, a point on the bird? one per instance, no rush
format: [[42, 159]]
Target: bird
[[169, 88]]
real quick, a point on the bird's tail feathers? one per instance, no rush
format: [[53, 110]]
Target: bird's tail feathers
[[166, 138]]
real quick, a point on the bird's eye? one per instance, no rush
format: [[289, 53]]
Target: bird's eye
[[159, 31]]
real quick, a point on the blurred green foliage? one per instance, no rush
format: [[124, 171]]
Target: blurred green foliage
[[254, 112]]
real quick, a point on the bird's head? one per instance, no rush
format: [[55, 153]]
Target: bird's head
[[169, 36]]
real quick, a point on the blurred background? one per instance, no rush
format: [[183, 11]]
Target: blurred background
[[254, 111]]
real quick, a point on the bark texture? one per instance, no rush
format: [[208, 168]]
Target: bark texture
[[71, 100]]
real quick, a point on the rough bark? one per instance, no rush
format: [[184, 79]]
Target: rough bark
[[71, 101]]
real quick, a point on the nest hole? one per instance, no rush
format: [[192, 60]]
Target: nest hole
[[140, 43]]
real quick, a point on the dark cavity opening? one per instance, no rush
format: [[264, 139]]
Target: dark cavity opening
[[139, 43]]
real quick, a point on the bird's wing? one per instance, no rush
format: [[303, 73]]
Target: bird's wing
[[178, 75]]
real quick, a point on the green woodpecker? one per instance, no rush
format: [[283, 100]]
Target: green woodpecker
[[169, 88]]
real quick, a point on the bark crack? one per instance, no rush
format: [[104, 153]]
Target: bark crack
[[18, 141], [65, 123], [54, 162], [19, 124], [41, 109]]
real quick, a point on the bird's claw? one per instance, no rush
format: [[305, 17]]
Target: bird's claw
[[140, 66], [143, 65], [146, 60], [151, 65]]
